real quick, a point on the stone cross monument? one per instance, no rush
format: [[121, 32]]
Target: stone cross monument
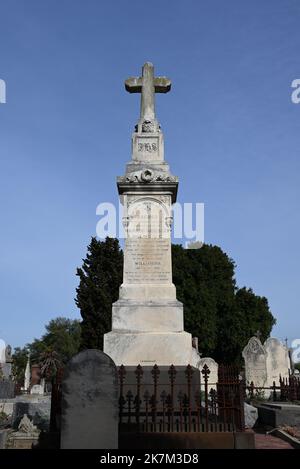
[[147, 320]]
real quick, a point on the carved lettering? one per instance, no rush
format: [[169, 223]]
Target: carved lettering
[[147, 147]]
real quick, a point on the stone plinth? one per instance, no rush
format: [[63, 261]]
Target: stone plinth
[[149, 348]]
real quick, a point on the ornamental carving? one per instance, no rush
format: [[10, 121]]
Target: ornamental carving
[[148, 176], [148, 126]]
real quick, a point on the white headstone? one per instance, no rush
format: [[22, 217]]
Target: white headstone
[[37, 389], [278, 361], [213, 368], [254, 355], [27, 375]]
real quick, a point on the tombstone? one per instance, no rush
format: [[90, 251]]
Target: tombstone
[[278, 362], [90, 402], [2, 351], [26, 437], [213, 375], [254, 355], [7, 389], [37, 389]]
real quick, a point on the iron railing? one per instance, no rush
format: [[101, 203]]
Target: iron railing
[[180, 406]]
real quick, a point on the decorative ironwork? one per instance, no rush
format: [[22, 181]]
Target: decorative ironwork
[[151, 405]]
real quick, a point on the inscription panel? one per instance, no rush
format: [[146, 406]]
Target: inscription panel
[[147, 218], [147, 261], [146, 148]]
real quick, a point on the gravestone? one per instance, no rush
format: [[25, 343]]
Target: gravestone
[[147, 320], [90, 402], [7, 389], [278, 362], [213, 375], [254, 355], [5, 360], [37, 389], [27, 375], [26, 437]]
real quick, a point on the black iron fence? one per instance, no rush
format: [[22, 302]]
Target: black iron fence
[[180, 400]]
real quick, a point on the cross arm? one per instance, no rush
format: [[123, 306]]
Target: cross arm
[[162, 84], [133, 85]]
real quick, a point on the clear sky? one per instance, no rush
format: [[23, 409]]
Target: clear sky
[[231, 135]]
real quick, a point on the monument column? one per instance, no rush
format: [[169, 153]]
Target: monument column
[[147, 320]]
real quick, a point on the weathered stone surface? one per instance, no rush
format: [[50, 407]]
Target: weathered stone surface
[[149, 348], [27, 375], [7, 406], [147, 317], [251, 415], [37, 389], [36, 407], [276, 415], [26, 437], [254, 355], [277, 360], [7, 389], [90, 402], [264, 364], [3, 438]]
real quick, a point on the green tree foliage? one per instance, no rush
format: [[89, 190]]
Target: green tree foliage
[[205, 284], [62, 337], [19, 358], [222, 316], [100, 276]]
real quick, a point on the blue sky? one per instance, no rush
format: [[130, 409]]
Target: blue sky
[[231, 135]]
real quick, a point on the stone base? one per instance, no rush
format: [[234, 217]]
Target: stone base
[[147, 316], [147, 292], [149, 348]]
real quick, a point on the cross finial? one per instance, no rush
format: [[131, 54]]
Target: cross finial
[[258, 334], [148, 85]]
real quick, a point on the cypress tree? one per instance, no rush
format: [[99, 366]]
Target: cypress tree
[[100, 277]]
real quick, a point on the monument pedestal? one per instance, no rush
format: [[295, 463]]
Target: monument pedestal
[[149, 348]]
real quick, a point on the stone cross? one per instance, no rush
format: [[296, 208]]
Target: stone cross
[[148, 85], [258, 334]]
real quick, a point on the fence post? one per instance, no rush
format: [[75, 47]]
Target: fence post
[[206, 372], [122, 373]]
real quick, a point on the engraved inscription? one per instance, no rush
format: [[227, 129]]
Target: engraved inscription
[[148, 261], [147, 147], [147, 218]]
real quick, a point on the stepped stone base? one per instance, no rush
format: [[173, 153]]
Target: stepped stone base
[[149, 348], [147, 316]]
